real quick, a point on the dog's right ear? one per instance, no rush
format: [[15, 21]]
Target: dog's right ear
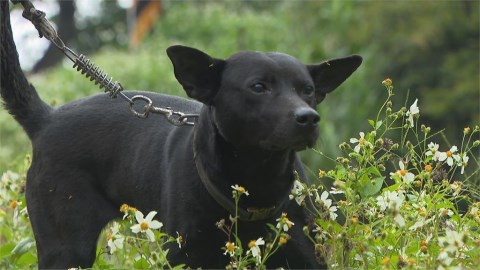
[[197, 72]]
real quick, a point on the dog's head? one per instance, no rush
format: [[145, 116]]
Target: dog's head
[[261, 99]]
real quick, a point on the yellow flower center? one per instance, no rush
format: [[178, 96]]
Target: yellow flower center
[[449, 153], [241, 189], [230, 247], [428, 168], [361, 140], [354, 219], [402, 172], [124, 208], [13, 204], [144, 226], [109, 236], [283, 240], [251, 244], [385, 261], [286, 221]]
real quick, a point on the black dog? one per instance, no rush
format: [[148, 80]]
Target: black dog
[[90, 156]]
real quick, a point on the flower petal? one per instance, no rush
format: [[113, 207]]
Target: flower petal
[[155, 225], [139, 216], [150, 216], [135, 228], [150, 235]]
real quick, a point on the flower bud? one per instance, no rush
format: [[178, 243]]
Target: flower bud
[[387, 82], [466, 130], [476, 143]]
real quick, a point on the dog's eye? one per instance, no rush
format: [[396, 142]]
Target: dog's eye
[[308, 90], [259, 88]]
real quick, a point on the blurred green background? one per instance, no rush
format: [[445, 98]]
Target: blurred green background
[[430, 49]]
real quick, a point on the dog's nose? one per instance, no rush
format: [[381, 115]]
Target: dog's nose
[[306, 116]]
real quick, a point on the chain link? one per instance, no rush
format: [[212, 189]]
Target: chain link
[[100, 78]]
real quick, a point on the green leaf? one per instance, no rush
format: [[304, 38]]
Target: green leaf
[[392, 187], [6, 250], [378, 125], [27, 259], [142, 263], [23, 246], [371, 122], [370, 182]]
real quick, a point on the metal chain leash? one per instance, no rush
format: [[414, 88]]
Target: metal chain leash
[[94, 73]]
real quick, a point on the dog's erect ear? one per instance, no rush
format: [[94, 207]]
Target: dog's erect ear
[[197, 72], [330, 74]]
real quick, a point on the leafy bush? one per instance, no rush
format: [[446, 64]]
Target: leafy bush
[[393, 203]]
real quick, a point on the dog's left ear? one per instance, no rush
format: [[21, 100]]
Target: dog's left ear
[[197, 72], [330, 74]]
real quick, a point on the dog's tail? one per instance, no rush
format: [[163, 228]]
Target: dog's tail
[[19, 96]]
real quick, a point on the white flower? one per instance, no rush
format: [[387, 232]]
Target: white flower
[[323, 199], [445, 212], [360, 142], [254, 248], [146, 224], [444, 259], [411, 112], [406, 176], [390, 200], [463, 162], [115, 239], [433, 151], [452, 241], [240, 189], [298, 192], [179, 240], [456, 188], [8, 182], [284, 222], [450, 156], [399, 220], [230, 249]]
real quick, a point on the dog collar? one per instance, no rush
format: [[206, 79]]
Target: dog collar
[[249, 214]]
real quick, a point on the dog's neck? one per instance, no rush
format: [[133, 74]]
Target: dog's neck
[[267, 175]]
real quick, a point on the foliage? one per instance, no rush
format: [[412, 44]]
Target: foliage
[[407, 203], [422, 214]]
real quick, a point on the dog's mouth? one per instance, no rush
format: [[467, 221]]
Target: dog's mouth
[[298, 144]]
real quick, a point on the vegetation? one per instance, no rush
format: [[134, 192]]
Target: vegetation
[[423, 214], [398, 196]]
